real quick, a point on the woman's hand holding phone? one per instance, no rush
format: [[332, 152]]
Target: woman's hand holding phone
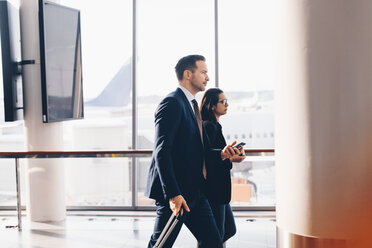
[[239, 157]]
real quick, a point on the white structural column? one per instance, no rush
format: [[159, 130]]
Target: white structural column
[[324, 124], [45, 177]]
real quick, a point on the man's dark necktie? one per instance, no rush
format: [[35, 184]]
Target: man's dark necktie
[[199, 119]]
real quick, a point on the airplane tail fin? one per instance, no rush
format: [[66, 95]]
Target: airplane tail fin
[[117, 92]]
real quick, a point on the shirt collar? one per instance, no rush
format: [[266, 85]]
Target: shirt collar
[[187, 93]]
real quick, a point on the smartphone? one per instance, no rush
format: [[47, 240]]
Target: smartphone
[[239, 145]]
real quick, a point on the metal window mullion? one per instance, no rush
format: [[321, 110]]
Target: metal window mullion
[[216, 55], [134, 103]]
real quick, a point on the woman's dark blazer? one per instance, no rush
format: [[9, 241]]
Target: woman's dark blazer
[[218, 184]]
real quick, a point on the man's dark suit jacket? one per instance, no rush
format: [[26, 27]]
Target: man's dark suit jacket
[[177, 160]]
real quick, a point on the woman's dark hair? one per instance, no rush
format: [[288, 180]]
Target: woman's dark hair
[[209, 100], [187, 63]]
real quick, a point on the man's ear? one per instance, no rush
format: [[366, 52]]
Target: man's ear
[[214, 108], [187, 74]]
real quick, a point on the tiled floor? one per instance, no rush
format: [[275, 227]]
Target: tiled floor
[[123, 231]]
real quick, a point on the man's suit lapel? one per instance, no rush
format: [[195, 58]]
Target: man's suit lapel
[[188, 106]]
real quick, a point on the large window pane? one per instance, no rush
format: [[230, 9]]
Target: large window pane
[[106, 28], [7, 179], [98, 182], [253, 182], [143, 168], [247, 42], [167, 31], [8, 194]]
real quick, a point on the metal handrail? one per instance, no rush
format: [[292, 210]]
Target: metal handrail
[[76, 154], [99, 154], [86, 154]]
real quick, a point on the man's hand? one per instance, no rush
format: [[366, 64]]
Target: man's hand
[[229, 151], [176, 203]]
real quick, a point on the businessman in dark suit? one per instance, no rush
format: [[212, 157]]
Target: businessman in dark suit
[[177, 170]]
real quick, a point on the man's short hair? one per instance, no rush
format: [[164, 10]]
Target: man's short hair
[[187, 63]]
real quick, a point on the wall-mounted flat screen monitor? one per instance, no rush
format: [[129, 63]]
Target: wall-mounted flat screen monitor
[[11, 54], [60, 61]]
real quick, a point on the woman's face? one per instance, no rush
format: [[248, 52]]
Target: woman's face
[[221, 107]]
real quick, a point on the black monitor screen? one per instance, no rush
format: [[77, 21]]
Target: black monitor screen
[[60, 59], [11, 54]]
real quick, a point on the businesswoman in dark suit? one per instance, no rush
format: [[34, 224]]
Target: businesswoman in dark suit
[[217, 187]]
